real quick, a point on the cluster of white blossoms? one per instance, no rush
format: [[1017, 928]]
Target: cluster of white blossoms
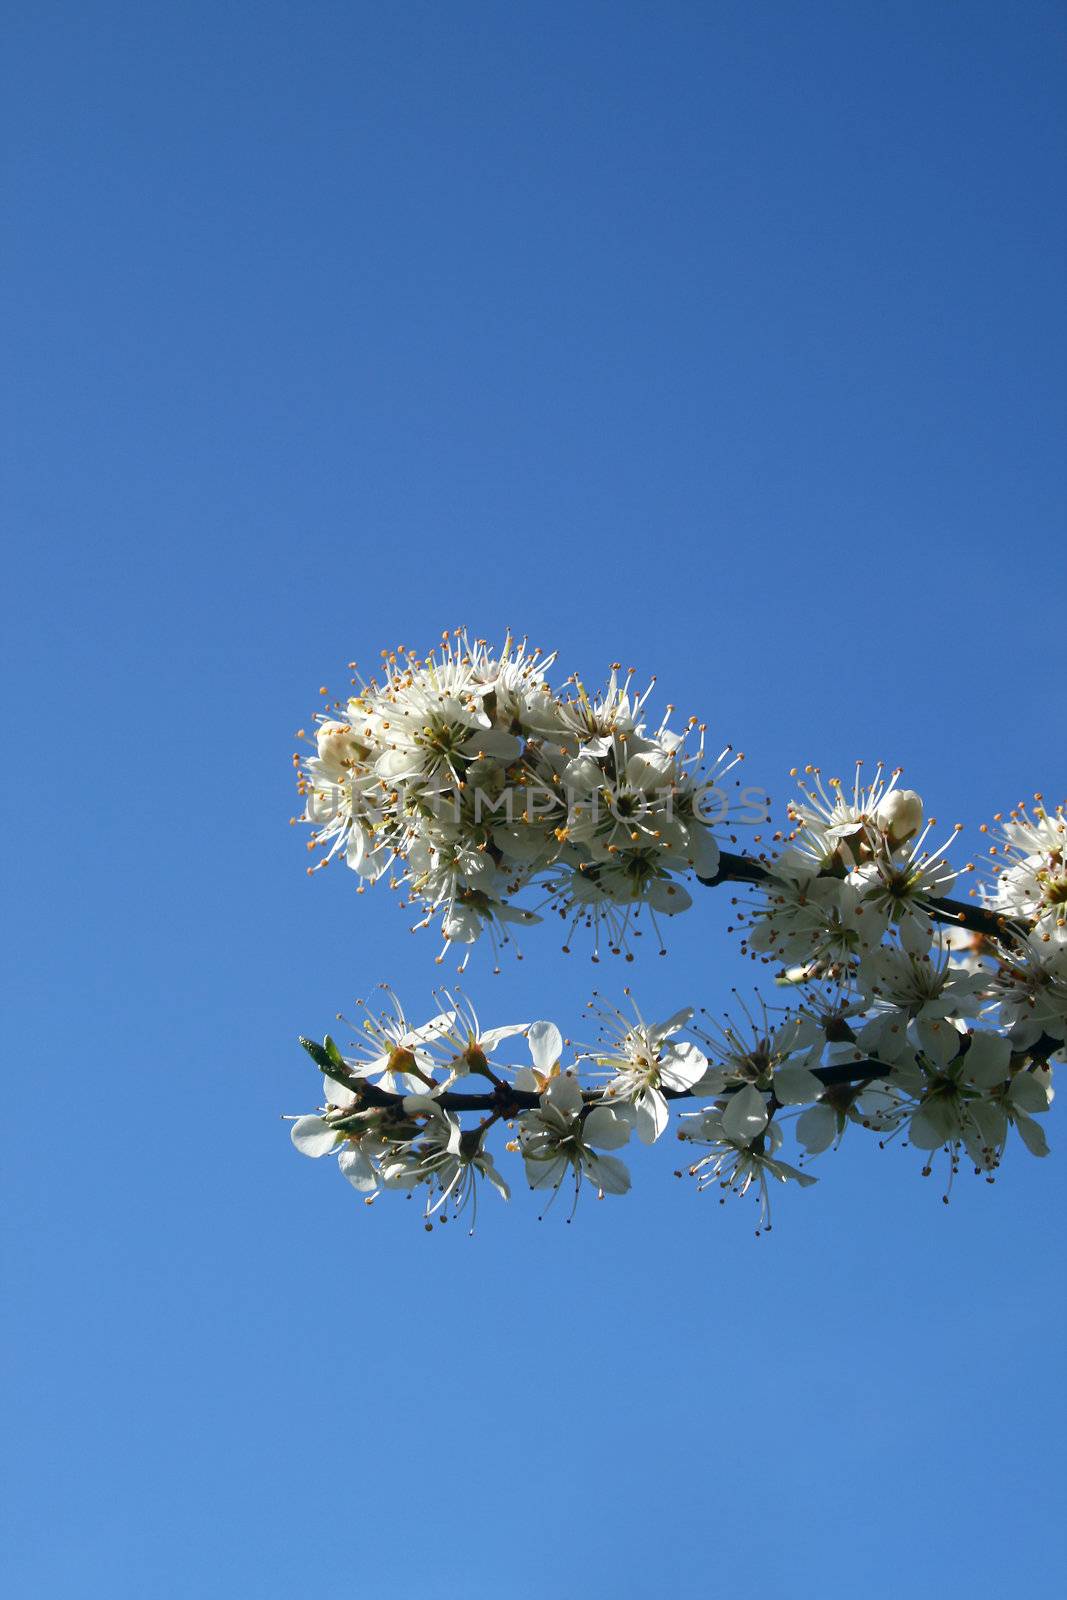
[[463, 778], [1029, 867], [853, 865], [925, 1020], [904, 1043]]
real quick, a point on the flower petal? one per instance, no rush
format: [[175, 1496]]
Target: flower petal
[[745, 1116], [682, 1066], [665, 895], [1031, 1133], [546, 1045], [1028, 1093], [610, 1175], [563, 1094], [940, 1040], [491, 1037], [651, 1115], [817, 1128], [338, 1094], [987, 1060], [357, 1169], [313, 1137], [796, 1086], [606, 1129]]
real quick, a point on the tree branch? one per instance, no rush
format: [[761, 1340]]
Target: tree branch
[[507, 1102]]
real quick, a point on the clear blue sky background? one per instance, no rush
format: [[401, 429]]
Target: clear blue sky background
[[724, 338]]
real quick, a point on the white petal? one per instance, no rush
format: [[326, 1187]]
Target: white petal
[[668, 897], [1031, 1134], [663, 1030], [493, 1177], [504, 913], [491, 1037], [564, 1095], [914, 937], [940, 1041], [546, 1045], [357, 1169], [312, 1136], [546, 1174], [796, 1086], [652, 1115], [712, 1082], [745, 1116], [609, 1174], [1028, 1093], [932, 1126], [521, 843], [338, 1094], [374, 864], [647, 771], [605, 1129], [682, 1066], [884, 1036], [816, 1128], [787, 1174], [991, 1120], [501, 746], [987, 1060], [704, 850]]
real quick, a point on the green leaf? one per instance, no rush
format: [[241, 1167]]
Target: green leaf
[[320, 1056], [332, 1051]]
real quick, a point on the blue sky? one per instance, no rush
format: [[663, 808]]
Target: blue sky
[[724, 339]]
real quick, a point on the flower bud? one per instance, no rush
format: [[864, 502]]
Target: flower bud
[[900, 813]]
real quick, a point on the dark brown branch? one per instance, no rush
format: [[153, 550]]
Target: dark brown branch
[[506, 1101]]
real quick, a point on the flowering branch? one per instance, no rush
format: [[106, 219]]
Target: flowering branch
[[507, 1101], [464, 780], [504, 1100]]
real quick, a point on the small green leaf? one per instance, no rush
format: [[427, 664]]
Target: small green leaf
[[320, 1056], [332, 1051]]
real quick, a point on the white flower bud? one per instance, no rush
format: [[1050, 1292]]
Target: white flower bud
[[900, 814]]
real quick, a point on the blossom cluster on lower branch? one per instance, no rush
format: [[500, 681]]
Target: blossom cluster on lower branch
[[395, 1119]]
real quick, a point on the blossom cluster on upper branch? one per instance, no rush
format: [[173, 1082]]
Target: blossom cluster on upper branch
[[464, 779]]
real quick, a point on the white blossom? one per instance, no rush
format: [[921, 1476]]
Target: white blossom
[[742, 1152], [966, 1093], [760, 1053], [564, 1136], [641, 1060], [1029, 987], [463, 1045], [823, 923], [357, 1149], [837, 829], [1030, 867], [442, 1157], [907, 986], [389, 1050]]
